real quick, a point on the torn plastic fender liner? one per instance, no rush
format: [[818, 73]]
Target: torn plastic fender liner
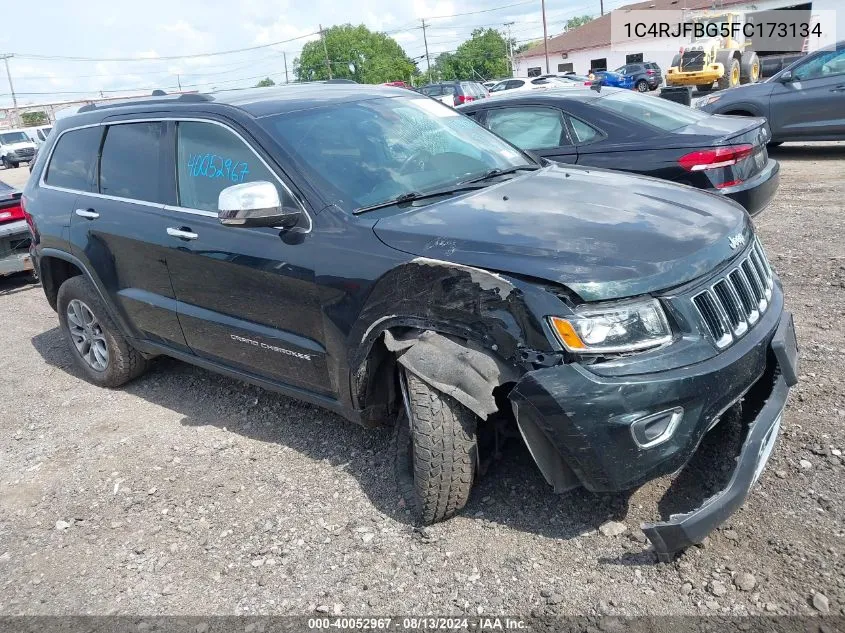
[[683, 530], [460, 369]]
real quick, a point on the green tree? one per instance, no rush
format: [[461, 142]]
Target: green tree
[[265, 83], [579, 20], [483, 56], [356, 53], [31, 119]]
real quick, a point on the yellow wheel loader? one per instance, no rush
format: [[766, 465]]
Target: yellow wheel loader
[[722, 60]]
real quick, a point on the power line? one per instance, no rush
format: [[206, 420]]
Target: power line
[[162, 57]]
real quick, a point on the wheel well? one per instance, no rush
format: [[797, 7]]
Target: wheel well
[[739, 113], [54, 272], [476, 377]]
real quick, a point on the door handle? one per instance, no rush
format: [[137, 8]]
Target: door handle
[[840, 88], [183, 233], [88, 214]]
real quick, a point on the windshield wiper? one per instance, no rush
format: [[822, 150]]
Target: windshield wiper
[[494, 173], [412, 196]]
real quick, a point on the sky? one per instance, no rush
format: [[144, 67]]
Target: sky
[[123, 47]]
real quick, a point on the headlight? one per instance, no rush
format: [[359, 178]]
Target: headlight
[[613, 328], [703, 101]]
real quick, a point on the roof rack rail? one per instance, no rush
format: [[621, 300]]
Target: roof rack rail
[[163, 97]]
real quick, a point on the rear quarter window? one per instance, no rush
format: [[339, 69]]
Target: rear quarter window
[[73, 162]]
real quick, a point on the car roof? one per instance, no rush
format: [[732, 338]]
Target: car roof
[[256, 102], [584, 95]]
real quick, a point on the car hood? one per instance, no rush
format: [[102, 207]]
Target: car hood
[[744, 92], [20, 145], [603, 234]]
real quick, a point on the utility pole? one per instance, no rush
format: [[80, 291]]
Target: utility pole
[[326, 51], [510, 45], [179, 82], [427, 59], [15, 119], [285, 56], [601, 6], [545, 36]]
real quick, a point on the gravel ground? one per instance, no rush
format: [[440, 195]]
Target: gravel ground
[[188, 493]]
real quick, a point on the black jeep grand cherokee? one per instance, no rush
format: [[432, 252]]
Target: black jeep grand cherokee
[[375, 252]]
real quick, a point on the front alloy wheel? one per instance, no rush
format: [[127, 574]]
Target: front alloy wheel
[[87, 335]]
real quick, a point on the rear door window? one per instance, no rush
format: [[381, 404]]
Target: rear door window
[[515, 83], [210, 158], [74, 160], [530, 127], [131, 162]]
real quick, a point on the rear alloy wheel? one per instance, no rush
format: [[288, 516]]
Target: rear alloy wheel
[[99, 350], [642, 86], [435, 449], [87, 335]]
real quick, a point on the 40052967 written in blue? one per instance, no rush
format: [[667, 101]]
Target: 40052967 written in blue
[[212, 166]]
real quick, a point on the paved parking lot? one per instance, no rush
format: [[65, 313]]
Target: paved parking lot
[[186, 492]]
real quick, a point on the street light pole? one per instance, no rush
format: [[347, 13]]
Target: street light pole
[[326, 51], [15, 118], [545, 36], [510, 45], [427, 59]]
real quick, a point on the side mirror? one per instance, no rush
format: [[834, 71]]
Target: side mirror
[[785, 77], [254, 204]]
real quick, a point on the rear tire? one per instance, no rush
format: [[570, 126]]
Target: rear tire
[[641, 85], [436, 452], [122, 361]]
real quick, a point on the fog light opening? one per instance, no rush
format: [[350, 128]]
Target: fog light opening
[[656, 428]]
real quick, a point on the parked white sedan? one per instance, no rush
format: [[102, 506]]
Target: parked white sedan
[[525, 84]]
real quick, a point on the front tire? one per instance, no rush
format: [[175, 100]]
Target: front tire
[[749, 68], [731, 77], [436, 451], [99, 350]]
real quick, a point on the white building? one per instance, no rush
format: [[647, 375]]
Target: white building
[[589, 47]]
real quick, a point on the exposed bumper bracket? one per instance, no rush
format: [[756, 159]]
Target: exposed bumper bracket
[[683, 530]]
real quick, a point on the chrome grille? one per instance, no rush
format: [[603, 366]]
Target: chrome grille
[[733, 303]]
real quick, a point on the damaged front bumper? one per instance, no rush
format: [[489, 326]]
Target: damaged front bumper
[[578, 425]]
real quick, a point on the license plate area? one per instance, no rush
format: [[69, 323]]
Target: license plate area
[[766, 448], [785, 347]]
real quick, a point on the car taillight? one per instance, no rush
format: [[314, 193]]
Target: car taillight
[[649, 72], [459, 99], [588, 83], [12, 213], [26, 216], [715, 158]]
